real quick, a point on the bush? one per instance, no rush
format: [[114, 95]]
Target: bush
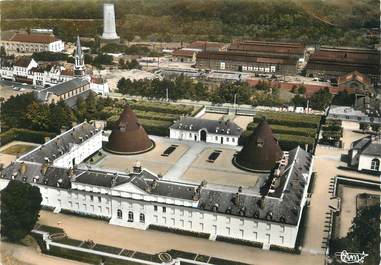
[[178, 231], [24, 135], [310, 132], [289, 118], [239, 241], [93, 216], [284, 249]]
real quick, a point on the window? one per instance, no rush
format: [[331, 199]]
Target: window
[[281, 239], [233, 140], [182, 223], [228, 220], [268, 226], [241, 232], [130, 216], [91, 198], [375, 164], [282, 228], [228, 231], [142, 218], [119, 214], [241, 221], [164, 209], [155, 208], [255, 235], [99, 198], [181, 212], [260, 142], [227, 139], [273, 68], [255, 224], [216, 138], [190, 224], [222, 65], [244, 68]]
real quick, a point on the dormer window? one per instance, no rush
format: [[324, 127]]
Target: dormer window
[[260, 142]]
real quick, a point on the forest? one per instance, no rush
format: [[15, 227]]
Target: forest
[[308, 21]]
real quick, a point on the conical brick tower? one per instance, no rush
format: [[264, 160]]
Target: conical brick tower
[[128, 136], [261, 151]]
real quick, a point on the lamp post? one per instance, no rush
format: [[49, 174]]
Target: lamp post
[[167, 94]]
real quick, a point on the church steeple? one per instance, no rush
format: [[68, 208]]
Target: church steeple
[[79, 61]]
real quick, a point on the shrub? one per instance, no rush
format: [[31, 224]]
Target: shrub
[[284, 249], [178, 231], [239, 241], [24, 135]]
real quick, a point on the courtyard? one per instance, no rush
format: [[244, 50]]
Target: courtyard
[[187, 163]]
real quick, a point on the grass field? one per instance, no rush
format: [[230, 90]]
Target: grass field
[[18, 149]]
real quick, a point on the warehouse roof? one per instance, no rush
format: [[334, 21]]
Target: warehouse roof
[[33, 38]]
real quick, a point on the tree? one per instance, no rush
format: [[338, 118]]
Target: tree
[[301, 90], [13, 111], [362, 236], [38, 116], [20, 206], [321, 99]]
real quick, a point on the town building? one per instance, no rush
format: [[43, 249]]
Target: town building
[[29, 43], [296, 50], [99, 85], [332, 62], [185, 55], [128, 135], [365, 154], [204, 130], [68, 91], [250, 62], [261, 151], [207, 46], [357, 82], [26, 70], [141, 199]]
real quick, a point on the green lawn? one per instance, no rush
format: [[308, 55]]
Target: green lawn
[[18, 149]]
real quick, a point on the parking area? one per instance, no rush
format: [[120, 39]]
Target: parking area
[[8, 89]]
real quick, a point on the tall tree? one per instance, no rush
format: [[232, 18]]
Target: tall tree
[[20, 206]]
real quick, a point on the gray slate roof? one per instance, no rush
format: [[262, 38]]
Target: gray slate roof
[[60, 144], [212, 126], [286, 210], [368, 146]]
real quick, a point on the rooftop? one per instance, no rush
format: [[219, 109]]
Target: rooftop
[[33, 38], [61, 144], [247, 57], [368, 146], [212, 126]]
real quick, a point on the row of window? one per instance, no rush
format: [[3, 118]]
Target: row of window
[[142, 218]]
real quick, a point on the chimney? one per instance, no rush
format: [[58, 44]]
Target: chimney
[[137, 168]]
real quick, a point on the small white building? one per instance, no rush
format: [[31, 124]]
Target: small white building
[[99, 85], [203, 130], [365, 154]]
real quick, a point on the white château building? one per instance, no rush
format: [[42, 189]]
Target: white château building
[[141, 199], [204, 130]]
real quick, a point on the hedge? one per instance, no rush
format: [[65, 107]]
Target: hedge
[[286, 141], [239, 241], [310, 132], [284, 249], [24, 135], [178, 231], [161, 107], [289, 119]]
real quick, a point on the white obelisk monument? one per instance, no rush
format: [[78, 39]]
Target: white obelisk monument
[[109, 30]]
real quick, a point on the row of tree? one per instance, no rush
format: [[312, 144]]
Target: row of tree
[[238, 92]]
